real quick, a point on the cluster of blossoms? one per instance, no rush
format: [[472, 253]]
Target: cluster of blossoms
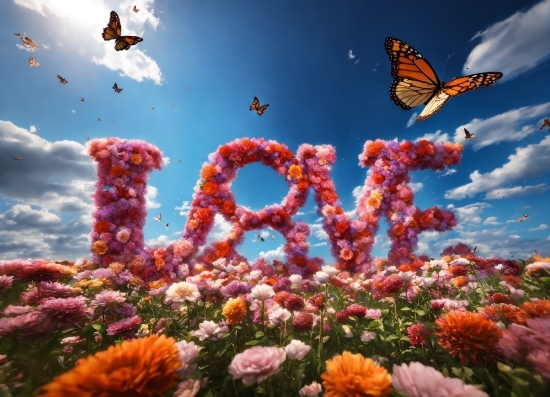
[[123, 168]]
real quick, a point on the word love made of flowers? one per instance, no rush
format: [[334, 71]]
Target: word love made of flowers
[[123, 168]]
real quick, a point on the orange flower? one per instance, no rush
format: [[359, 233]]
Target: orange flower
[[208, 172], [295, 171], [535, 309], [341, 227], [210, 188], [373, 149], [234, 311], [141, 367], [471, 336], [117, 170], [228, 207], [355, 375], [136, 159], [100, 247], [378, 178], [459, 281], [346, 253]]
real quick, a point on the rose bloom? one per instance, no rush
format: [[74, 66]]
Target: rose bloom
[[257, 364], [471, 336], [183, 291], [234, 311], [417, 380], [354, 375], [141, 367], [297, 350]]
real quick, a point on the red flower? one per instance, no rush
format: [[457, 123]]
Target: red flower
[[356, 310], [343, 317], [294, 302], [392, 284], [303, 321], [418, 334]]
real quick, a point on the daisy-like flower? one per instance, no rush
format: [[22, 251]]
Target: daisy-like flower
[[234, 311], [262, 292], [108, 298], [355, 375], [183, 291], [257, 364], [417, 380], [208, 330], [297, 350], [141, 367], [470, 336]]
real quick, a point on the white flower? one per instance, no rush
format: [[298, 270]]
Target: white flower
[[331, 270], [187, 352], [278, 314], [347, 331], [297, 350], [262, 292], [208, 330], [312, 390], [367, 336], [183, 291], [379, 359], [321, 277], [295, 279]]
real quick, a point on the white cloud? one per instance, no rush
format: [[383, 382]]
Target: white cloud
[[471, 213], [542, 226], [416, 187], [515, 45], [160, 241], [184, 208], [524, 164], [278, 254], [435, 137], [74, 111], [87, 18], [492, 220], [150, 196], [448, 172], [32, 129], [517, 191], [513, 125], [165, 161], [318, 231], [412, 119], [220, 230], [350, 55]]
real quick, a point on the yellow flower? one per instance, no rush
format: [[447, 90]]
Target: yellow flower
[[141, 367], [100, 247], [234, 311], [295, 171], [355, 375], [136, 159]]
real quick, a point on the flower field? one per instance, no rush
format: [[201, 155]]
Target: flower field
[[456, 326]]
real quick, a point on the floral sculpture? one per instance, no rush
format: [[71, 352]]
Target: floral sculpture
[[124, 165]]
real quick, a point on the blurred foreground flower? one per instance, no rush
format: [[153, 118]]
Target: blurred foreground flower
[[141, 367], [355, 375], [257, 364]]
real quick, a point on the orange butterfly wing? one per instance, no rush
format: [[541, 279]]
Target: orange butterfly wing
[[255, 104], [33, 62], [125, 42], [113, 29], [471, 82], [261, 109]]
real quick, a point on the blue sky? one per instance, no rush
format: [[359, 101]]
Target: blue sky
[[212, 57]]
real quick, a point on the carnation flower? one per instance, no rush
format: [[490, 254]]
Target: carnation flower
[[183, 291], [353, 375], [342, 317], [141, 367], [418, 334], [234, 311], [297, 350], [417, 380], [257, 364], [392, 283], [303, 321]]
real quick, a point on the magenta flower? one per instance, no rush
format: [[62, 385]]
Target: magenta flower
[[108, 298], [418, 334], [124, 326], [257, 364], [356, 310], [65, 312]]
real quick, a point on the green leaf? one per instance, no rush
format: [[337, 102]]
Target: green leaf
[[420, 312], [253, 342], [545, 279], [259, 334], [405, 309], [97, 326]]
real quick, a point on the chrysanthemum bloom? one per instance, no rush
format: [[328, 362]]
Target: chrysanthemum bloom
[[392, 283], [417, 380], [297, 350], [471, 336], [303, 321], [257, 364], [418, 334], [234, 311], [342, 317], [353, 375], [535, 309], [65, 312], [280, 297], [141, 367], [183, 291], [99, 247], [108, 298], [262, 292], [356, 310], [294, 302], [460, 281], [498, 297]]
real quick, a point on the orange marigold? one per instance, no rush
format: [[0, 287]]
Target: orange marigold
[[535, 309], [295, 171], [210, 188], [141, 367], [136, 158], [459, 281], [208, 172], [471, 336], [234, 311], [100, 247], [355, 375]]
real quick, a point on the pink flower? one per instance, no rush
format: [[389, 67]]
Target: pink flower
[[311, 390], [123, 326], [188, 352], [5, 283], [208, 330], [108, 298], [188, 388], [257, 364], [418, 334], [417, 380], [392, 283], [123, 234], [342, 317], [297, 350], [65, 312], [28, 325], [356, 310]]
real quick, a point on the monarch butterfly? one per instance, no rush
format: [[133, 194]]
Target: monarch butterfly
[[158, 217], [468, 135], [135, 9], [117, 90], [256, 106], [32, 62], [260, 238], [524, 217], [112, 31], [27, 42], [474, 250], [62, 80], [545, 123], [415, 81]]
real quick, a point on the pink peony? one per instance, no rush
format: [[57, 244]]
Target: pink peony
[[257, 364], [417, 380]]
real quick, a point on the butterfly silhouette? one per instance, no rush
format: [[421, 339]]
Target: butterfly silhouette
[[32, 62], [172, 103], [272, 237], [416, 83], [117, 90], [113, 30], [467, 134], [135, 9], [546, 123], [260, 238], [474, 250], [81, 99], [62, 80], [166, 226], [158, 217], [181, 161], [524, 217], [98, 119], [27, 42], [256, 106], [153, 108], [17, 158]]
